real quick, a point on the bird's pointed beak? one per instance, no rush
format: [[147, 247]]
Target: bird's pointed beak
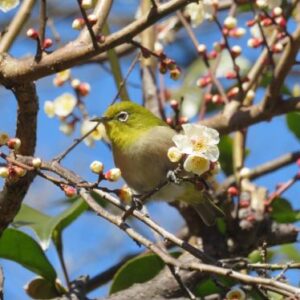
[[100, 119]]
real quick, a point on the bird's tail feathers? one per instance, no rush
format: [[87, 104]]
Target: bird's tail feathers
[[207, 210]]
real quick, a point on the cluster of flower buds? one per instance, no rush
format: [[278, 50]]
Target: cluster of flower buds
[[11, 143], [113, 174], [264, 24], [176, 120], [167, 64], [64, 105], [230, 28], [34, 35], [12, 172], [79, 23], [202, 51], [82, 88]]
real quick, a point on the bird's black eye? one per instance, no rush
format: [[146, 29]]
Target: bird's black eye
[[123, 116]]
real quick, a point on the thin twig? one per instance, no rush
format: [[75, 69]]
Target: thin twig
[[123, 82], [88, 25]]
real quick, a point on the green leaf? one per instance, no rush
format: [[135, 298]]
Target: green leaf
[[21, 248], [39, 288], [208, 286], [44, 225], [226, 148], [255, 256], [293, 122], [137, 270], [283, 212], [291, 252]]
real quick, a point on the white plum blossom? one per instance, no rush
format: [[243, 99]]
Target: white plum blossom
[[236, 294], [64, 105], [96, 135], [66, 128], [198, 140], [6, 5], [199, 144], [96, 166], [49, 109], [199, 12], [196, 164], [4, 137], [174, 154]]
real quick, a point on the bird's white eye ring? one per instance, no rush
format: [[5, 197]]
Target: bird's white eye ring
[[123, 116]]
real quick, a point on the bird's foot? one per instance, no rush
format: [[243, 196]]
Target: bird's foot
[[172, 177], [135, 204]]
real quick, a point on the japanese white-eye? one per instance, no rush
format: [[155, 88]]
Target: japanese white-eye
[[140, 142]]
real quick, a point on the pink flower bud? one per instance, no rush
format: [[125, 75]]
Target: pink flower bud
[[212, 54], [14, 143], [78, 23], [84, 89], [70, 191], [250, 23], [92, 19], [201, 49], [32, 33], [113, 174], [254, 42], [236, 50], [281, 21], [47, 43], [232, 191], [174, 104], [230, 75]]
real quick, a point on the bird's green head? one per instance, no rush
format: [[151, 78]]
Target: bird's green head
[[125, 122]]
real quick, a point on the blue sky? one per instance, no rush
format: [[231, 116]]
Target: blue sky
[[92, 244]]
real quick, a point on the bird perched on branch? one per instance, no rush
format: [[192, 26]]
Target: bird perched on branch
[[148, 152]]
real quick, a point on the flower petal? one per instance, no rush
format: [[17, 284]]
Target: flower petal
[[212, 153], [183, 143], [196, 164]]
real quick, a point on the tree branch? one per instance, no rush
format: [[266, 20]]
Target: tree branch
[[226, 122], [16, 25], [27, 69], [13, 192]]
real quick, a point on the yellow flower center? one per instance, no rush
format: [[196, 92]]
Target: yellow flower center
[[199, 163], [198, 145]]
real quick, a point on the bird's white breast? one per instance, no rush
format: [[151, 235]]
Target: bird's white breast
[[145, 164]]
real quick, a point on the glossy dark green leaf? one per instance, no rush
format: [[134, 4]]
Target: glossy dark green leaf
[[21, 248], [208, 286], [40, 288], [255, 256], [137, 270], [226, 160], [44, 225], [293, 122], [283, 212], [225, 147]]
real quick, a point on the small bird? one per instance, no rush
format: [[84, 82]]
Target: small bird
[[140, 142]]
